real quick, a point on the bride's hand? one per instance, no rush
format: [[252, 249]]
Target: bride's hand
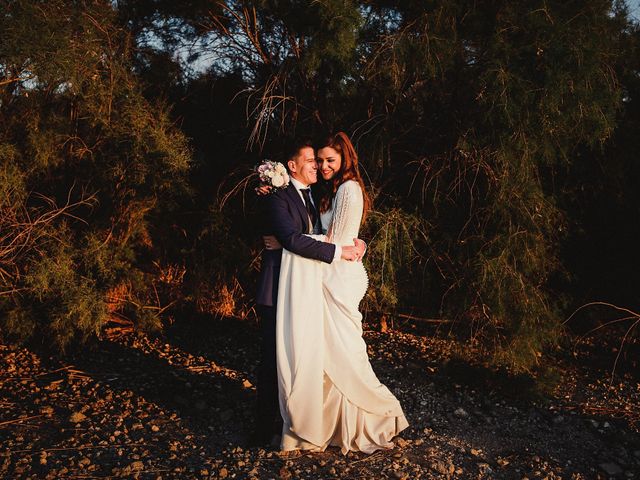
[[271, 242], [263, 190], [361, 248]]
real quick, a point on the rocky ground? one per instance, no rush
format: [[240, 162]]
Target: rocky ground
[[179, 406]]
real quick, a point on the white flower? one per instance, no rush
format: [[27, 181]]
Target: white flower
[[277, 181]]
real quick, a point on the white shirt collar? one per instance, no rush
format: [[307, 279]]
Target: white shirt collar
[[298, 184]]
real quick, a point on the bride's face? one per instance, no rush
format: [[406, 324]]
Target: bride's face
[[329, 162]]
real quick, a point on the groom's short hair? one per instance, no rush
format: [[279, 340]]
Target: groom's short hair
[[293, 147]]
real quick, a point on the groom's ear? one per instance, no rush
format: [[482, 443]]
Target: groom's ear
[[292, 166]]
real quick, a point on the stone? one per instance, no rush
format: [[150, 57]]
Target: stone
[[46, 410], [284, 473], [401, 442], [439, 467], [460, 413], [611, 468], [77, 417]]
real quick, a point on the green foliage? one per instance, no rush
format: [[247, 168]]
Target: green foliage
[[464, 115], [393, 259], [221, 259], [485, 105], [12, 188], [484, 127], [87, 160]]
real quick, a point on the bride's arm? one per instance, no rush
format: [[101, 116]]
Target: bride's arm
[[347, 213]]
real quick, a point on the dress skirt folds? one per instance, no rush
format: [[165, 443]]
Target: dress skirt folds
[[329, 394]]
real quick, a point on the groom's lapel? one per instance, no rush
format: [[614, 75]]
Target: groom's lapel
[[297, 201]]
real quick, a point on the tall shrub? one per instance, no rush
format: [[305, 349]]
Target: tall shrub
[[87, 165]]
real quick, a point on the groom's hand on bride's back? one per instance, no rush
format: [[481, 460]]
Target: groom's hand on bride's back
[[271, 242]]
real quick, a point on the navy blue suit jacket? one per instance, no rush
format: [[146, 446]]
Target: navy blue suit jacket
[[288, 220]]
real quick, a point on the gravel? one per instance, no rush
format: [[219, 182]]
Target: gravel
[[181, 406]]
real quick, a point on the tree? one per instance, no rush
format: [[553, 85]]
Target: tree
[[485, 103], [477, 124], [468, 110], [87, 165]]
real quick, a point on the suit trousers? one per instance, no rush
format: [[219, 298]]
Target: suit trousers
[[269, 421]]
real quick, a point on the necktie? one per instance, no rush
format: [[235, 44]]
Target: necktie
[[313, 215]]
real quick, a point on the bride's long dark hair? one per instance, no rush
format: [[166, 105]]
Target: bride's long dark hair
[[348, 171]]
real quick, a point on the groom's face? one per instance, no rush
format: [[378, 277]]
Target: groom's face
[[303, 167]]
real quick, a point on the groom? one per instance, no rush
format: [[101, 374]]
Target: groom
[[291, 213]]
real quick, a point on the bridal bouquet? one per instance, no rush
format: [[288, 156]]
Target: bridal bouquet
[[272, 174]]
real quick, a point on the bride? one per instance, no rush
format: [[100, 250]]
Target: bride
[[329, 394]]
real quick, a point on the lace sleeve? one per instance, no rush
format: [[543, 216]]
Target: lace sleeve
[[347, 213]]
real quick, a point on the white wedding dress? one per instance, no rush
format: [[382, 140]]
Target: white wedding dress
[[329, 394]]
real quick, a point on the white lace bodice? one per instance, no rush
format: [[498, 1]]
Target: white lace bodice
[[341, 223]]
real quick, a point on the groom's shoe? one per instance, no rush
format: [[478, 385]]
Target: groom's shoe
[[275, 441], [267, 433], [260, 438]]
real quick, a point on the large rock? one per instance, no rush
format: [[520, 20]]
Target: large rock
[[611, 468]]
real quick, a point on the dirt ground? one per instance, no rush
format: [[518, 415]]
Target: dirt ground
[[180, 406]]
